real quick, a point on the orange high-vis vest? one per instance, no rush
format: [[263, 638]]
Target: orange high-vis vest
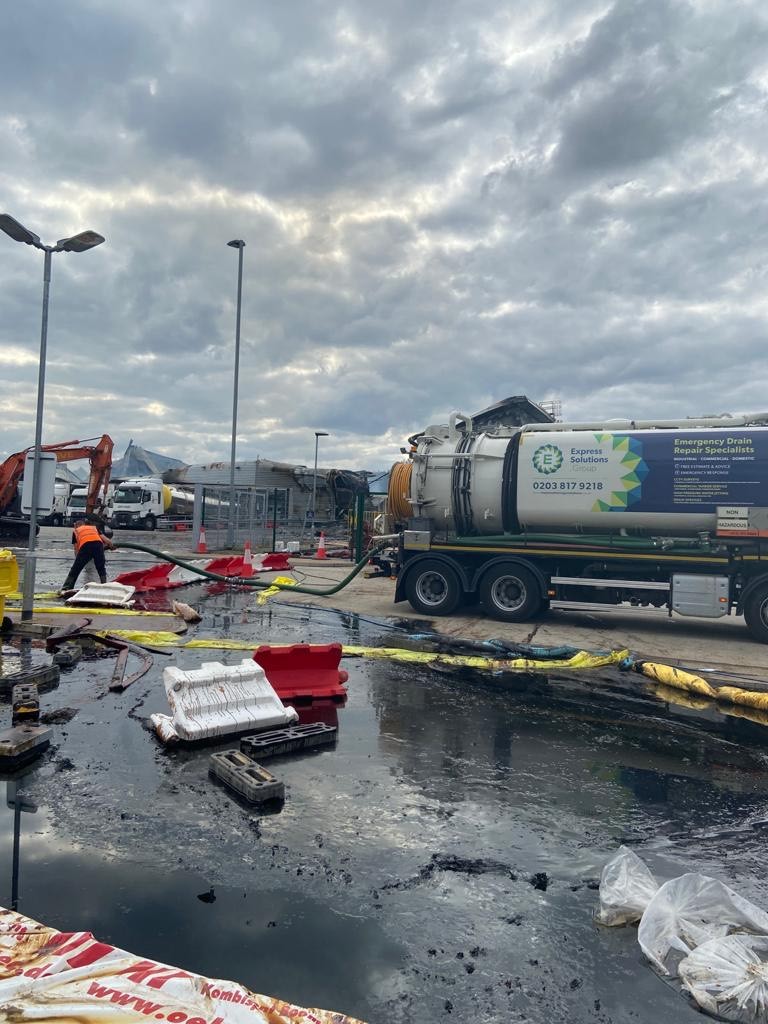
[[85, 533]]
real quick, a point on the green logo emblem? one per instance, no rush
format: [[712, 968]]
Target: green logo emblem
[[547, 459]]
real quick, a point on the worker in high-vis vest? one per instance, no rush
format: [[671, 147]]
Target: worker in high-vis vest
[[89, 543]]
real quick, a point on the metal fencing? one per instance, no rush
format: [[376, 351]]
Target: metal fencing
[[262, 517]]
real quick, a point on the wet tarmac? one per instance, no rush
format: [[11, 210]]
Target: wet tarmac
[[438, 864]]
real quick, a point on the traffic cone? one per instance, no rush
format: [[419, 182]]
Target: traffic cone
[[247, 561], [201, 545], [320, 553]]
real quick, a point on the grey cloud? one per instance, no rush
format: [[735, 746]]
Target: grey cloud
[[654, 75], [442, 206]]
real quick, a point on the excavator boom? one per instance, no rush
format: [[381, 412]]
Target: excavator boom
[[99, 455]]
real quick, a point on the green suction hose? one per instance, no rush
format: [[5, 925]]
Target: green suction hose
[[242, 581]]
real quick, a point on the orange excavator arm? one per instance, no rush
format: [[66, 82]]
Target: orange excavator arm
[[100, 456]]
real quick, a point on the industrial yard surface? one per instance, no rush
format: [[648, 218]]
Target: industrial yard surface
[[440, 863]]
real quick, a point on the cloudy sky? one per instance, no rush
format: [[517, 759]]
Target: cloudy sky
[[444, 203]]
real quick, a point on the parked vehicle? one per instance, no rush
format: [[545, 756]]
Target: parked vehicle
[[664, 514], [12, 522], [76, 505], [58, 513], [144, 503]]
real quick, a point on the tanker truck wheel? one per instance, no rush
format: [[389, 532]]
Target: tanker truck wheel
[[150, 523], [433, 588], [510, 593], [756, 612]]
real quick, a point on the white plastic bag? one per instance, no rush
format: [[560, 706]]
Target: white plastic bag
[[626, 888], [693, 909], [728, 977]]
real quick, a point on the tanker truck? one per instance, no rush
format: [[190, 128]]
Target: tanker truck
[[144, 503], [660, 513]]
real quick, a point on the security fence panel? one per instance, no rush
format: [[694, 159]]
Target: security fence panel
[[260, 516]]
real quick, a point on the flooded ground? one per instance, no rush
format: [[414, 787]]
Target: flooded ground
[[439, 863]]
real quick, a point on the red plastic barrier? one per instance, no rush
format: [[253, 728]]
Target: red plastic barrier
[[227, 565], [154, 578], [276, 561], [304, 671]]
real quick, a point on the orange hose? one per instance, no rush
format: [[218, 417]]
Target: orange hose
[[399, 491]]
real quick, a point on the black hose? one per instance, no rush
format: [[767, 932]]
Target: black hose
[[241, 581]]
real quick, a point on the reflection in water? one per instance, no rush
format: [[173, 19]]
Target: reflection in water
[[565, 753], [16, 800], [288, 944], [324, 711]]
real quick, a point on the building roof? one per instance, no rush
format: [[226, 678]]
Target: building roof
[[137, 461]]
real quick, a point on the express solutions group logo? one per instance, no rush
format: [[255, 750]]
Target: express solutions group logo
[[547, 459]]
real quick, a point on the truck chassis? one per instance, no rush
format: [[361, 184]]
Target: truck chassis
[[514, 578]]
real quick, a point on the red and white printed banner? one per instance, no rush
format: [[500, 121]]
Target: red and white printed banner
[[48, 975]]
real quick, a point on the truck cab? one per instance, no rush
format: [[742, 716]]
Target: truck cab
[[58, 513], [138, 503], [76, 505]]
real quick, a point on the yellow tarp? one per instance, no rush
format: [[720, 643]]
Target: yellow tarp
[[285, 581]]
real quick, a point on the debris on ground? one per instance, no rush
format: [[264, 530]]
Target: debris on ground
[[186, 612], [696, 927], [692, 909], [728, 977], [22, 743], [219, 700], [111, 983], [25, 704], [626, 888], [113, 595], [245, 777], [277, 587], [291, 740], [68, 652]]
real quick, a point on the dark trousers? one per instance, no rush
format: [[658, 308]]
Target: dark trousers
[[92, 549]]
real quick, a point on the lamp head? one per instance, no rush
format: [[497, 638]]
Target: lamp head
[[80, 243], [17, 231]]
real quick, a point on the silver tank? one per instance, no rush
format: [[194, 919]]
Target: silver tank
[[596, 478]]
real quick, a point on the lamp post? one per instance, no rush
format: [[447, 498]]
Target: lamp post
[[239, 244], [76, 243], [318, 435]]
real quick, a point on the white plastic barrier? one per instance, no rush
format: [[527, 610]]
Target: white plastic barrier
[[70, 976], [112, 594], [179, 575], [219, 700]]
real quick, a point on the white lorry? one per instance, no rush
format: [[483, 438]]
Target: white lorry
[[75, 506], [138, 503], [58, 512]]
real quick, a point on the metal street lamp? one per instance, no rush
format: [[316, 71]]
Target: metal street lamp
[[239, 244], [318, 435], [76, 243]]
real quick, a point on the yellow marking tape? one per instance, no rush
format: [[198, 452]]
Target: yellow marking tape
[[77, 609]]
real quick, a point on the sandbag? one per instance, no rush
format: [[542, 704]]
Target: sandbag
[[690, 910], [626, 888], [728, 977]]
